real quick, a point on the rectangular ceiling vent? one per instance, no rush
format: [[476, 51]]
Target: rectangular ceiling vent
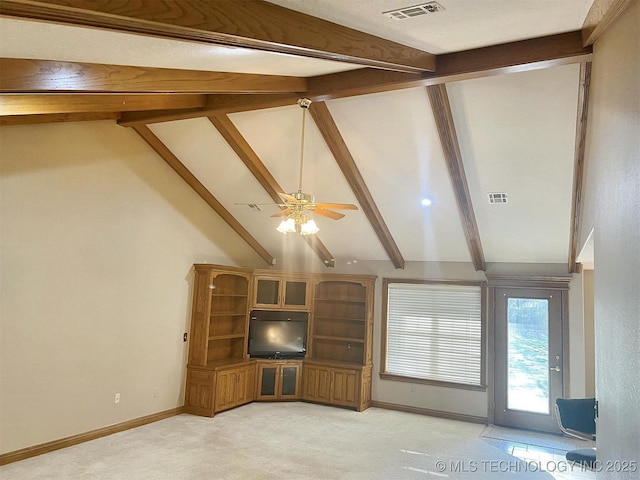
[[497, 198], [414, 11]]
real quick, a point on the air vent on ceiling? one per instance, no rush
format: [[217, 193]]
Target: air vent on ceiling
[[414, 11], [497, 198], [254, 207]]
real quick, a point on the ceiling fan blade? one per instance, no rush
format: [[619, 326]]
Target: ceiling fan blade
[[289, 198], [282, 213], [337, 206], [328, 213]]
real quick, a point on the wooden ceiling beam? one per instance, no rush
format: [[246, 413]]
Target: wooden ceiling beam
[[160, 148], [57, 118], [47, 76], [332, 137], [244, 151], [251, 24], [451, 148], [600, 16], [58, 103], [216, 105], [533, 54], [510, 57], [578, 168]]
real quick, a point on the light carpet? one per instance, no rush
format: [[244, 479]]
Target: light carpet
[[289, 441]]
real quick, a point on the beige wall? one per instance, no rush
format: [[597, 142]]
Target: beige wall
[[612, 202], [452, 400], [589, 334], [465, 402], [97, 238]]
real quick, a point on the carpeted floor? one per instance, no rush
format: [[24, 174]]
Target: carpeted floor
[[287, 441]]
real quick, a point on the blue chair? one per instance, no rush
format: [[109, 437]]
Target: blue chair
[[577, 418]]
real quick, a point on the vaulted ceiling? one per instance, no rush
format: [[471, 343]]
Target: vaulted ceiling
[[476, 98]]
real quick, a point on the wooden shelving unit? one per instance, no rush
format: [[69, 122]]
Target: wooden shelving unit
[[337, 368], [219, 373]]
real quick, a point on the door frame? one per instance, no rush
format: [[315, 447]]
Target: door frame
[[558, 283]]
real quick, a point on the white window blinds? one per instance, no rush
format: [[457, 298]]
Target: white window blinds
[[434, 332]]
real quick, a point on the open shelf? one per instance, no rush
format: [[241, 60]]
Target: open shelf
[[228, 325], [231, 347], [338, 339], [338, 302], [339, 319], [228, 314], [339, 350], [226, 337], [229, 285], [340, 292], [349, 310], [328, 327]]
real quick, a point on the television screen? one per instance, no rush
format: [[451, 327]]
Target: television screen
[[278, 334]]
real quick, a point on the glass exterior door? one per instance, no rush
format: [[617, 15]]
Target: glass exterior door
[[528, 370]]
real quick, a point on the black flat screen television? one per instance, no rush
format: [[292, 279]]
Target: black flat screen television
[[275, 334]]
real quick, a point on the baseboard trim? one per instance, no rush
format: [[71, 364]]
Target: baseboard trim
[[36, 450], [431, 413]]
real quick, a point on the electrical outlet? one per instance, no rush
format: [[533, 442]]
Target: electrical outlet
[[413, 388], [155, 393], [117, 398]]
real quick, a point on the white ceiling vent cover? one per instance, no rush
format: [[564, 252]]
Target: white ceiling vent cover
[[414, 11], [497, 198]]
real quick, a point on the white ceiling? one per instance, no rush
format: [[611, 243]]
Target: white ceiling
[[462, 25], [516, 131], [48, 41]]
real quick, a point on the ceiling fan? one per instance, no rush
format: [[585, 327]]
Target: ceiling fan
[[299, 206]]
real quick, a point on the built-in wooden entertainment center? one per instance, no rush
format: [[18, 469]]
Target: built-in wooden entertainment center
[[336, 369]]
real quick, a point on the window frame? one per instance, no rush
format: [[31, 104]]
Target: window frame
[[385, 375]]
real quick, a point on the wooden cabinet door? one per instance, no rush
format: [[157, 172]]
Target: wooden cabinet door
[[267, 381], [295, 293], [267, 292], [225, 390], [345, 387], [317, 384], [289, 382], [278, 380], [199, 392], [281, 292], [245, 387]]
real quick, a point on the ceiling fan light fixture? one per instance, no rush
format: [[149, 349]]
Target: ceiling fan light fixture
[[309, 228], [287, 226], [298, 206]]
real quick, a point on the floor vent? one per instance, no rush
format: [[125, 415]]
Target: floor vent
[[414, 11], [497, 198]]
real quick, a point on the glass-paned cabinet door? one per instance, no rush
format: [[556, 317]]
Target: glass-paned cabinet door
[[295, 293], [268, 377], [281, 292], [289, 381], [267, 292]]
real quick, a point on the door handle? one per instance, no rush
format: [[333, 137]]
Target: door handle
[[556, 368]]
